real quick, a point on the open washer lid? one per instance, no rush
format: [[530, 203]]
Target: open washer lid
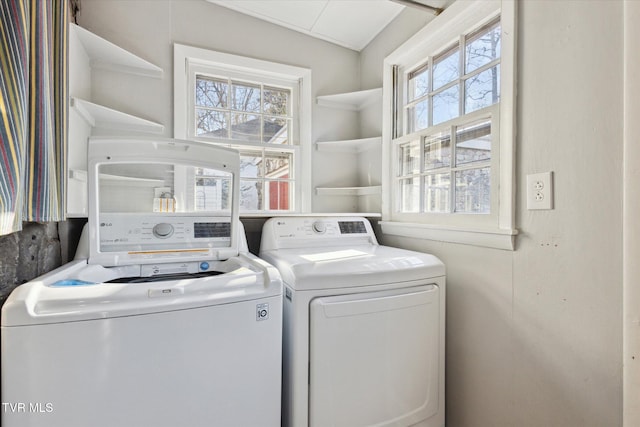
[[339, 252], [155, 200]]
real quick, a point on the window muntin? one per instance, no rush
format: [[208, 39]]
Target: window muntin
[[449, 125]]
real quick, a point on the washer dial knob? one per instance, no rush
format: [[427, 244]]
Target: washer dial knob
[[319, 227], [163, 230]]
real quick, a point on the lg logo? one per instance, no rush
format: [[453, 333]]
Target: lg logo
[[262, 311]]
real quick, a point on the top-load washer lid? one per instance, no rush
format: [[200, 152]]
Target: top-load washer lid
[[78, 291], [161, 200], [339, 252]]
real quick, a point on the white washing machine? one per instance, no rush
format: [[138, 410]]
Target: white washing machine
[[166, 321], [363, 326]]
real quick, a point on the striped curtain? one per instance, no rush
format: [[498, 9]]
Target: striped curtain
[[34, 106]]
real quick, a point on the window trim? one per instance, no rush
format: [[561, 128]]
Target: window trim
[[444, 30], [187, 60]]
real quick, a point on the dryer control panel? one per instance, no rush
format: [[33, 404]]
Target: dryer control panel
[[291, 232]]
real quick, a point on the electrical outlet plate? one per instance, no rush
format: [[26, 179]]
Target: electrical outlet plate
[[540, 191]]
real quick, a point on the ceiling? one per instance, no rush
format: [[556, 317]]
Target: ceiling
[[349, 23]]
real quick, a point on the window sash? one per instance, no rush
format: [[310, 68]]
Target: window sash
[[419, 213], [410, 103], [230, 77], [264, 83]]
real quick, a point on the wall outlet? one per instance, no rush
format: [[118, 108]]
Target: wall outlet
[[540, 191]]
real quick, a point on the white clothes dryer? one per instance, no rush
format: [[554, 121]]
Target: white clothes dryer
[[164, 318], [364, 325]]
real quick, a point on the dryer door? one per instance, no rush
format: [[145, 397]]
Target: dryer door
[[374, 358]]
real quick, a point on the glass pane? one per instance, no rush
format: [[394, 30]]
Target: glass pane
[[409, 158], [275, 130], [473, 191], [436, 192], [245, 127], [250, 195], [277, 195], [245, 98], [446, 68], [212, 193], [251, 164], [482, 90], [446, 105], [483, 47], [277, 165], [211, 92], [437, 151], [212, 123], [276, 101], [418, 83], [410, 195], [418, 116], [473, 142]]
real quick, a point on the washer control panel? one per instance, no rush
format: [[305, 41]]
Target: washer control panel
[[118, 232]]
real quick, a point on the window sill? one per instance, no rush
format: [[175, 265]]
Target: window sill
[[272, 214], [488, 238]]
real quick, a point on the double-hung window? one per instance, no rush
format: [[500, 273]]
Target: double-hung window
[[250, 105], [449, 128]]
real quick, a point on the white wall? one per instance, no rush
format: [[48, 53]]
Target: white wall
[[631, 224], [149, 28], [534, 337]]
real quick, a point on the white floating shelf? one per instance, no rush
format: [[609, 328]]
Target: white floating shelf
[[353, 101], [349, 191], [100, 116], [349, 145], [106, 55]]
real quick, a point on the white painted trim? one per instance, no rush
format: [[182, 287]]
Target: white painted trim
[[507, 213], [185, 56], [488, 238]]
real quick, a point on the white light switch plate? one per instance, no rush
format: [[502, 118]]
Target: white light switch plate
[[540, 191]]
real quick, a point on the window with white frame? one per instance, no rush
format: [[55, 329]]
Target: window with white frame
[[450, 147], [252, 106]]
